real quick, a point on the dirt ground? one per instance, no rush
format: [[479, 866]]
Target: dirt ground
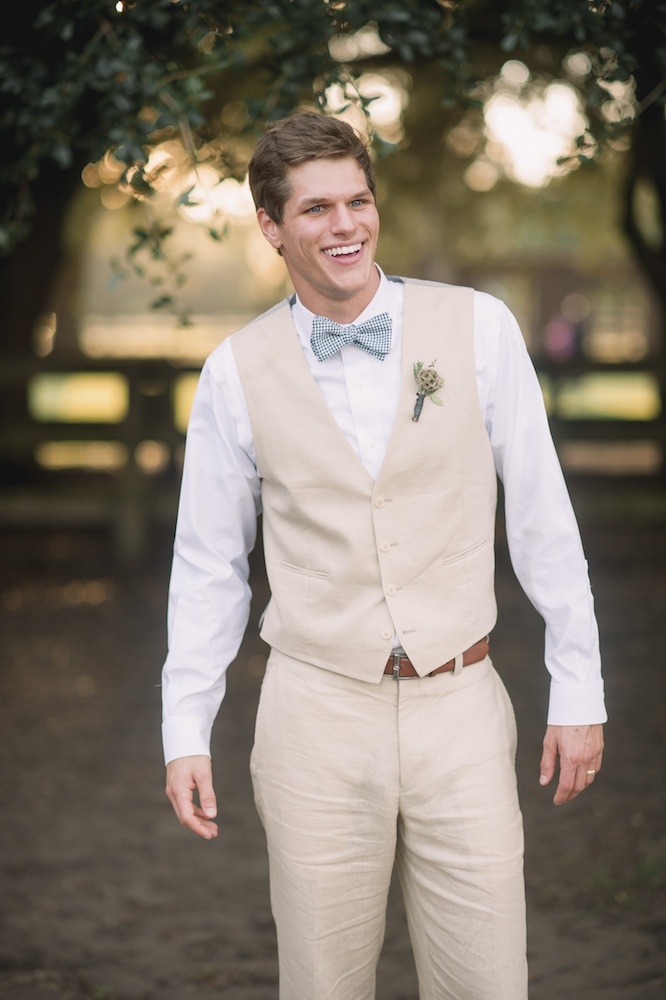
[[103, 895]]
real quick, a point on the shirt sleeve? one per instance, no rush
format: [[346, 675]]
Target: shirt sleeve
[[542, 532], [216, 528]]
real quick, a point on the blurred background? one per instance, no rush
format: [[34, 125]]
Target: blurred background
[[520, 150], [536, 174]]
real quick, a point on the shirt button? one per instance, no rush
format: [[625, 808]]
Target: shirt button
[[386, 634], [372, 444], [379, 501], [390, 590], [385, 547], [360, 384]]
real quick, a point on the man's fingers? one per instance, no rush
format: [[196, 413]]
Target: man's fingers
[[570, 783], [189, 778], [573, 781], [580, 751], [195, 821], [193, 817]]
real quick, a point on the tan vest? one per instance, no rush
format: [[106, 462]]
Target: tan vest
[[349, 560]]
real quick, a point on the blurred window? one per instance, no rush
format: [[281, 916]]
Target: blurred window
[[94, 456], [81, 397], [183, 395], [607, 396]]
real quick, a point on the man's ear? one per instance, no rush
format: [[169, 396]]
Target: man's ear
[[270, 229]]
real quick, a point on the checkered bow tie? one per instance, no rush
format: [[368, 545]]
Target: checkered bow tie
[[374, 336]]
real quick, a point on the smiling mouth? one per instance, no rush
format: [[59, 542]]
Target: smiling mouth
[[343, 251]]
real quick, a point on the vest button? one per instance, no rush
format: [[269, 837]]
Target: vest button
[[379, 501], [390, 590], [386, 634], [385, 547]]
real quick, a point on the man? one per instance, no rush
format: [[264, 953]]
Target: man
[[384, 734]]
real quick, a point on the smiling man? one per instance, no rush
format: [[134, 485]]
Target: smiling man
[[384, 735]]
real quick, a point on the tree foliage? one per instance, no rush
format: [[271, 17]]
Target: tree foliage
[[81, 77]]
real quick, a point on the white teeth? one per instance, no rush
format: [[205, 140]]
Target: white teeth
[[337, 251]]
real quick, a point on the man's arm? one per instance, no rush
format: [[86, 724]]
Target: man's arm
[[545, 548], [209, 593]]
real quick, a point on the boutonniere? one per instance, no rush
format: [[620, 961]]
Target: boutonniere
[[428, 381]]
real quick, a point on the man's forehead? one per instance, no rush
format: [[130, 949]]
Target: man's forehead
[[326, 179]]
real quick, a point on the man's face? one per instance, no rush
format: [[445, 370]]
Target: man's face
[[328, 237]]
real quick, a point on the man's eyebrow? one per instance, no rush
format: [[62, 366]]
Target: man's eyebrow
[[308, 202]]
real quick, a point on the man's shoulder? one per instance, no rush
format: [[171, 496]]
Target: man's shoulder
[[429, 285], [262, 320], [257, 323], [409, 280], [484, 300]]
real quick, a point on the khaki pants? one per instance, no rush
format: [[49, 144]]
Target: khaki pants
[[351, 778]]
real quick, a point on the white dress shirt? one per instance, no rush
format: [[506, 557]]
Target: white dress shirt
[[209, 594]]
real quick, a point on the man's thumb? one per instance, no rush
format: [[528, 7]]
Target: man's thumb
[[547, 766], [207, 799], [208, 804]]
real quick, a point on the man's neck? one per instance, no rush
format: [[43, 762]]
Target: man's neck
[[343, 311]]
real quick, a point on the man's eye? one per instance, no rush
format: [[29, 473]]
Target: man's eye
[[315, 209], [357, 201]]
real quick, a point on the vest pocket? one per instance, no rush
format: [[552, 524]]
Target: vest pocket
[[470, 550], [304, 571]]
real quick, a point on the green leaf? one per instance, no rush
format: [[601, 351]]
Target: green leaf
[[437, 400], [162, 302]]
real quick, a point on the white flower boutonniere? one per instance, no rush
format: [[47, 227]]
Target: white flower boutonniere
[[428, 381]]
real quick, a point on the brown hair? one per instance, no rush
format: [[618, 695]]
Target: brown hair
[[304, 136]]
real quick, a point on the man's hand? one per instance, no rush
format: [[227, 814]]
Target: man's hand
[[580, 749], [184, 776]]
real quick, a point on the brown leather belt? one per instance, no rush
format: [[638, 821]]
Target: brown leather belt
[[401, 667]]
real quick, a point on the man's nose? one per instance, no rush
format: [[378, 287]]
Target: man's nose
[[342, 220]]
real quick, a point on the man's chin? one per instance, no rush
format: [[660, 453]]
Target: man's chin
[[355, 282]]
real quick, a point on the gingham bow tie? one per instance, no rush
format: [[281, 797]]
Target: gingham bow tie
[[374, 336]]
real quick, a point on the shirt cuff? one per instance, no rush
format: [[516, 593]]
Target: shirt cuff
[[577, 704], [185, 736]]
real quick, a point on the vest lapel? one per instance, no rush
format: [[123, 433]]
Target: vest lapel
[[423, 339]]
